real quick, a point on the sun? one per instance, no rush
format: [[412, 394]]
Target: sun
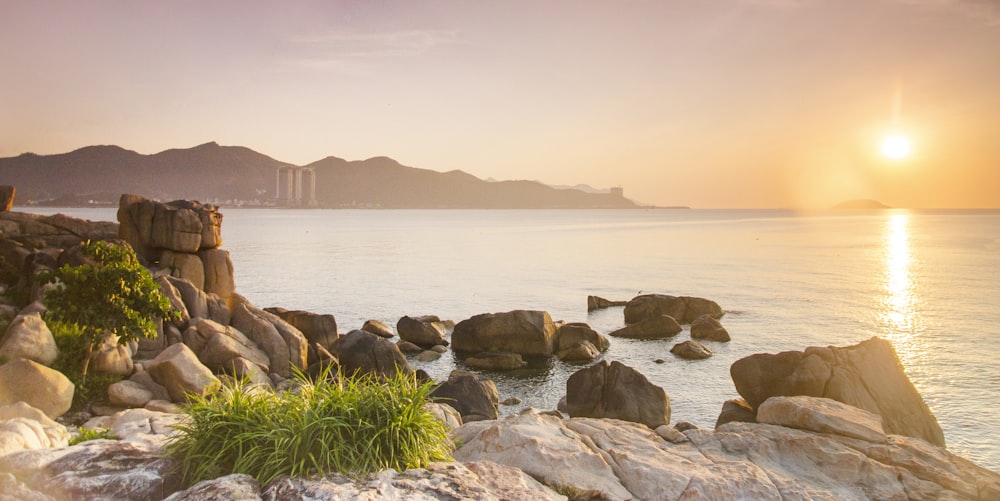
[[896, 146]]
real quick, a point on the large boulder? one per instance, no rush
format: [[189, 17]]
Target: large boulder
[[317, 328], [173, 295], [180, 226], [361, 352], [219, 273], [178, 369], [867, 375], [475, 398], [195, 300], [23, 427], [128, 393], [519, 331], [285, 345], [735, 409], [45, 389], [493, 361], [109, 357], [573, 333], [685, 309], [219, 344], [709, 328], [822, 415], [184, 265], [691, 350], [616, 391], [377, 327], [29, 337], [424, 331], [599, 303], [654, 327]]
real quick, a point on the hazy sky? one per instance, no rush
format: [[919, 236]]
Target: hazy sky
[[707, 103]]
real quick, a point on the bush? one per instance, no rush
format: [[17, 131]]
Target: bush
[[72, 352], [351, 426]]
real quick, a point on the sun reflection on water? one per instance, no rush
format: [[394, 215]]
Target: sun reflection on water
[[899, 316]]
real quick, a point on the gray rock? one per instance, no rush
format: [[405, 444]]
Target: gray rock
[[822, 415], [43, 388], [520, 331], [184, 265], [685, 309], [493, 361], [691, 350], [709, 328], [219, 277], [572, 334], [424, 331], [735, 410], [582, 351], [654, 327], [193, 297], [616, 391], [475, 398], [365, 353], [128, 393], [178, 369], [599, 303], [238, 487]]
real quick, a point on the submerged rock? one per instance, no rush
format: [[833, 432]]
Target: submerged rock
[[599, 303], [691, 350]]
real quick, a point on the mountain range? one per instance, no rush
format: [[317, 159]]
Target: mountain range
[[235, 176]]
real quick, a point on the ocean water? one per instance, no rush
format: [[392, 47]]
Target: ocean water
[[928, 281]]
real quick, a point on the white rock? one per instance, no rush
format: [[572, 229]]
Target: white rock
[[822, 415], [29, 337], [128, 394]]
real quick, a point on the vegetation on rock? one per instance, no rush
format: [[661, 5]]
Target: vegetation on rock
[[352, 426]]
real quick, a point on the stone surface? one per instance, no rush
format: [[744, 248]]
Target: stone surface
[[616, 391], [519, 331], [29, 337], [424, 331], [181, 226], [219, 276], [139, 426], [23, 427], [285, 346], [7, 197], [685, 309], [365, 353], [185, 266], [735, 410], [43, 388], [238, 486], [193, 297], [222, 344], [378, 328], [317, 328], [867, 375], [407, 347], [128, 394], [493, 361], [599, 303], [178, 369], [709, 328], [444, 413], [474, 398], [654, 327], [571, 334], [173, 295], [582, 351], [822, 415], [691, 350], [109, 357]]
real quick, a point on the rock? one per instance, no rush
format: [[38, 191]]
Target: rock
[[96, 469], [249, 371], [29, 337], [655, 327], [867, 375], [616, 391], [6, 197], [222, 344], [317, 328], [427, 356], [735, 410], [572, 334], [181, 226], [109, 357], [425, 331], [709, 328], [582, 351], [43, 388], [23, 427], [520, 331], [218, 310], [672, 435], [492, 361], [164, 406], [146, 380], [285, 345], [176, 302], [128, 393], [195, 300], [691, 350], [510, 401], [139, 426], [237, 486], [219, 277], [378, 328], [184, 265], [444, 413], [475, 398], [684, 309], [361, 352], [822, 415], [407, 347], [599, 303], [178, 369], [438, 348]]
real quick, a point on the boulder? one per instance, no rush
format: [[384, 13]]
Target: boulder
[[30, 382], [493, 361], [599, 303], [424, 331], [6, 197], [361, 352], [317, 328], [234, 486], [735, 410], [195, 300], [685, 309], [445, 414], [520, 331], [709, 328], [184, 265], [285, 345], [246, 370], [691, 350], [109, 357], [173, 295], [571, 334], [867, 375], [822, 415], [29, 337], [377, 328], [407, 347], [218, 309], [178, 369], [128, 393], [146, 380], [475, 398], [222, 344], [23, 427], [582, 351], [427, 356], [655, 327], [616, 391], [219, 277]]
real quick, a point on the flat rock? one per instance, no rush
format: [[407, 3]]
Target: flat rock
[[822, 415]]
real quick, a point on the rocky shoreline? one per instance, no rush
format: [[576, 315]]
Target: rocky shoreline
[[824, 423]]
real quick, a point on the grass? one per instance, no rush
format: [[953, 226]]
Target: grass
[[352, 426], [85, 434]]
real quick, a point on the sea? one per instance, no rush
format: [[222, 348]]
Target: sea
[[926, 280]]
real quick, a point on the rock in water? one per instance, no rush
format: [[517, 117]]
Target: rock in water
[[867, 375], [424, 331], [691, 350], [616, 391], [520, 331], [475, 398], [683, 308], [822, 415], [599, 303], [365, 353], [654, 327], [709, 328]]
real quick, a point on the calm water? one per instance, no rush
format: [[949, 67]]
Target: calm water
[[929, 281]]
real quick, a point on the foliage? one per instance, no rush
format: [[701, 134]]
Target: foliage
[[72, 353], [85, 434], [115, 295], [352, 426]]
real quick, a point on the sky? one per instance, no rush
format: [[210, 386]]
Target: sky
[[709, 104]]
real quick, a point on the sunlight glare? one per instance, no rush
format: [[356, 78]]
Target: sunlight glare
[[896, 146]]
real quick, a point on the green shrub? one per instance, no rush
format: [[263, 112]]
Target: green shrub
[[350, 426], [85, 434], [72, 352]]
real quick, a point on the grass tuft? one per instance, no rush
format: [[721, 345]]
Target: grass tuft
[[85, 434], [333, 425]]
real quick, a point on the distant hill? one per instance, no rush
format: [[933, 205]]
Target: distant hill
[[861, 204], [234, 175]]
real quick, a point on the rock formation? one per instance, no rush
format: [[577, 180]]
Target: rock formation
[[652, 327], [691, 350], [616, 391], [474, 398], [424, 331], [867, 375], [520, 331], [684, 309], [709, 328], [599, 303]]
